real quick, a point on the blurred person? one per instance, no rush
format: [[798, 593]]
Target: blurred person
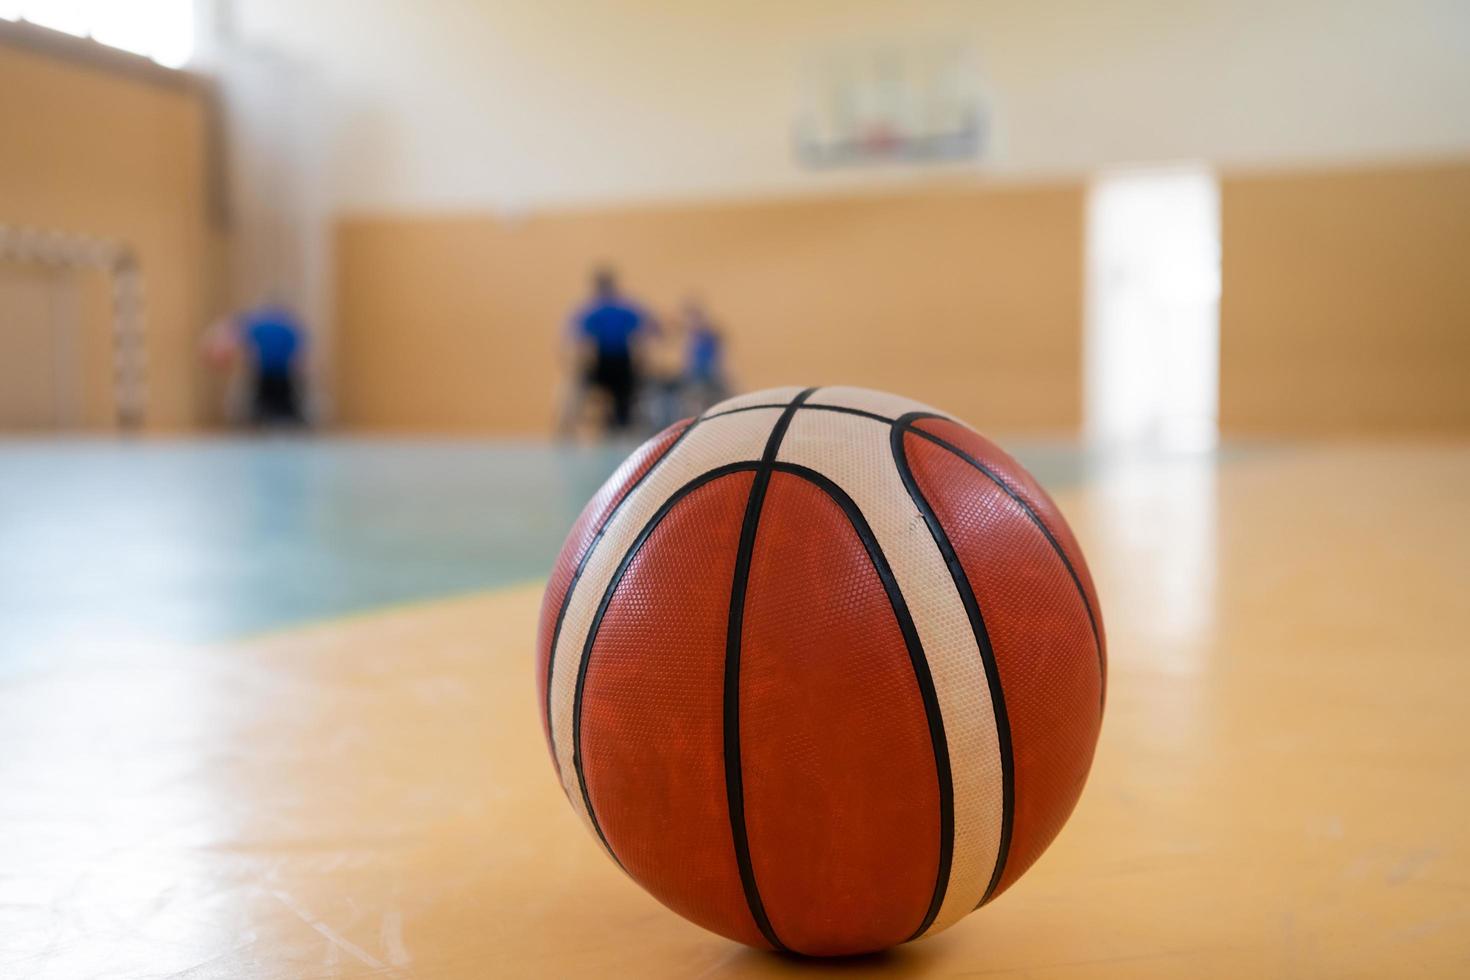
[[661, 390], [220, 349], [605, 334], [276, 342], [705, 382]]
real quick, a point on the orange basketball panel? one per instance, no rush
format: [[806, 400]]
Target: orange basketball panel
[[841, 793], [580, 539], [652, 712], [1018, 481], [1036, 622]]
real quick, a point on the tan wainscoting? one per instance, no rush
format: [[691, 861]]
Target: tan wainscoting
[[1346, 301], [969, 299], [1345, 308], [121, 154]]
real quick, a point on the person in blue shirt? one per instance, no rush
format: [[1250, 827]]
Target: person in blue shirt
[[275, 340], [609, 328], [704, 358]]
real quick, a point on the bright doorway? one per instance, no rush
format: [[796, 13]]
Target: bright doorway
[[1153, 310]]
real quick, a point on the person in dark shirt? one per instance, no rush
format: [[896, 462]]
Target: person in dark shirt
[[610, 327], [275, 340]]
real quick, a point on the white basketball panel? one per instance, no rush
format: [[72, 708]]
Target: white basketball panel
[[710, 444], [854, 453]]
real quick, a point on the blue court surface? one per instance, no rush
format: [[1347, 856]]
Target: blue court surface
[[111, 545]]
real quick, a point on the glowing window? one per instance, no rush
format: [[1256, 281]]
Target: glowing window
[[159, 29], [1153, 321]]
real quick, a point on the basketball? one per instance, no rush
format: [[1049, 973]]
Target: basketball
[[822, 669]]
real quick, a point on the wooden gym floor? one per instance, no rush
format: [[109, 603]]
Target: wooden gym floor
[[203, 774]]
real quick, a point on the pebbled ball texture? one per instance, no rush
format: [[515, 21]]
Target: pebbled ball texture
[[823, 670]]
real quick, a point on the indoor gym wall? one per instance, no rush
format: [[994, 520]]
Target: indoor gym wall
[[120, 154]]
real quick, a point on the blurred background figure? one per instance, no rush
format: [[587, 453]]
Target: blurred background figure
[[605, 337], [275, 345], [682, 369], [661, 387], [705, 381], [604, 340], [259, 359]]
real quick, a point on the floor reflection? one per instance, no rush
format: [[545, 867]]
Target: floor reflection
[[1155, 519]]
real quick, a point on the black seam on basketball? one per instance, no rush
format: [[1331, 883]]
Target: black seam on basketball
[[907, 424], [816, 408], [843, 409], [582, 666], [734, 777], [745, 408], [982, 642], [566, 598], [922, 675]]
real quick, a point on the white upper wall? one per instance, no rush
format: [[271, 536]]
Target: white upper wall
[[505, 104]]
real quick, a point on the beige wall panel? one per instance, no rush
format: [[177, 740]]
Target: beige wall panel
[[1346, 301], [94, 151], [966, 298]]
